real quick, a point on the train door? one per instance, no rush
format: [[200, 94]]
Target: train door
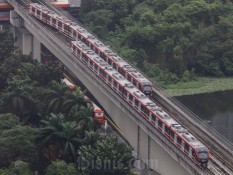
[[190, 152], [175, 139], [182, 145], [150, 116], [156, 122], [163, 128]]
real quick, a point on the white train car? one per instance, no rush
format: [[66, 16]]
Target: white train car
[[77, 32]]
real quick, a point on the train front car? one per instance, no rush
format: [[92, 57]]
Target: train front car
[[98, 114], [200, 153]]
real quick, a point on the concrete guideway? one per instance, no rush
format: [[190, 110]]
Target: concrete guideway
[[149, 144]]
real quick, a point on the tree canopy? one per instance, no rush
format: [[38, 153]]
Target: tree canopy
[[174, 35]]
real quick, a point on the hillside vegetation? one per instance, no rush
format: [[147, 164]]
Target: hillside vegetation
[[170, 40]]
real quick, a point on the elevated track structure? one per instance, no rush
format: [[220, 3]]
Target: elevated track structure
[[157, 152]]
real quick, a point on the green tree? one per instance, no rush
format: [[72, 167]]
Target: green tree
[[74, 102], [17, 143], [84, 118], [20, 168], [60, 134], [56, 96], [19, 101], [6, 45], [8, 121], [60, 167], [108, 156]]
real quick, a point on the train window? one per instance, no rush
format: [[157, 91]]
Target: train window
[[74, 33], [79, 52], [114, 65], [79, 36], [109, 62], [66, 27], [179, 140], [104, 74], [125, 93], [69, 29], [134, 82], [172, 134], [123, 73], [186, 147], [136, 103], [91, 63], [160, 124], [153, 118], [130, 97], [33, 10], [53, 21], [146, 112], [120, 71], [120, 89], [96, 67], [193, 153], [44, 15], [38, 12], [85, 58], [109, 79], [142, 108], [115, 83], [128, 77], [167, 130], [104, 57], [140, 88], [59, 24]]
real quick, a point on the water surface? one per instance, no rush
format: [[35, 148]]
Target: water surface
[[215, 108]]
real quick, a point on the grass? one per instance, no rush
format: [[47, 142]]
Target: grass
[[202, 85]]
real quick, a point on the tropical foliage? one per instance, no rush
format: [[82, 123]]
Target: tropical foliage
[[173, 37], [41, 119]]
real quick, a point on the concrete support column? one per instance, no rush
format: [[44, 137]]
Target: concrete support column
[[27, 42], [36, 49]]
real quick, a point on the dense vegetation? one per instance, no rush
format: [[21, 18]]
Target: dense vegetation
[[170, 40], [44, 125]]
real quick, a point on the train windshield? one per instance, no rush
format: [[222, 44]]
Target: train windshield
[[202, 155]]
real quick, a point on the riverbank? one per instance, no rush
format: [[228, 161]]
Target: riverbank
[[201, 85]]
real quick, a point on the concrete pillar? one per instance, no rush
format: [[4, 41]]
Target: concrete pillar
[[36, 49], [27, 42]]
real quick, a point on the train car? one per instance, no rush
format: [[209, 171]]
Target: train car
[[77, 32], [153, 113], [98, 113]]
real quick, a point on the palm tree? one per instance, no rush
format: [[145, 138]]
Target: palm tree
[[64, 136], [73, 103], [85, 119], [19, 101], [55, 98]]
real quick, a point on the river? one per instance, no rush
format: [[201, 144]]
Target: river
[[215, 108]]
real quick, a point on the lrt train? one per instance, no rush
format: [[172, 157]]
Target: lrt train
[[98, 113], [149, 110], [77, 32], [154, 114]]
